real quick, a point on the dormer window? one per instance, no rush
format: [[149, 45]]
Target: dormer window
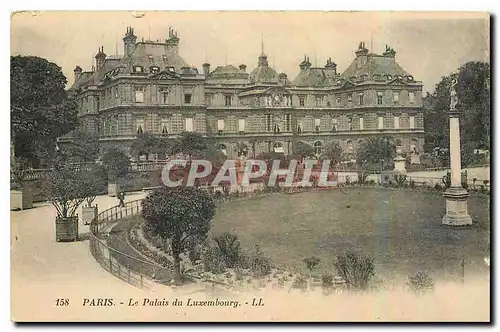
[[389, 77], [150, 57], [138, 69], [171, 69], [410, 78], [349, 97], [399, 77], [154, 69]]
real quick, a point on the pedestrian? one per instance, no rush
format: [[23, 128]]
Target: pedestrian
[[121, 197]]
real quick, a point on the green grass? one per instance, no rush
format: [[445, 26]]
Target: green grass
[[401, 229]]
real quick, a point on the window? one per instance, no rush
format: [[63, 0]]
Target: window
[[334, 125], [413, 146], [139, 126], [411, 97], [116, 93], [154, 69], [137, 69], [317, 147], [317, 124], [220, 126], [361, 124], [187, 98], [302, 101], [189, 124], [241, 125], [319, 101], [380, 122], [268, 122], [227, 99], [412, 122], [396, 122], [395, 97], [164, 127], [339, 99], [299, 127], [288, 121], [139, 96], [361, 101], [380, 96], [349, 97], [278, 148], [349, 124], [164, 97]]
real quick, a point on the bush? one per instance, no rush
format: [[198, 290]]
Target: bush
[[438, 187], [300, 282], [372, 182], [356, 269], [257, 262], [400, 180], [327, 281], [412, 184], [420, 282], [311, 262], [213, 261], [229, 247]]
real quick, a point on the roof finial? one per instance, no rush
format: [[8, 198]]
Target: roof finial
[[262, 46]]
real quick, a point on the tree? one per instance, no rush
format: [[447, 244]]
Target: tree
[[302, 150], [93, 182], [83, 147], [191, 144], [40, 108], [333, 151], [374, 151], [241, 149], [116, 162], [473, 92], [177, 214], [147, 143]]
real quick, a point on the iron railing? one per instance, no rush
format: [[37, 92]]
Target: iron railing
[[134, 270]]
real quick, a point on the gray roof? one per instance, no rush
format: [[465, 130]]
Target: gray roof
[[315, 77], [374, 65]]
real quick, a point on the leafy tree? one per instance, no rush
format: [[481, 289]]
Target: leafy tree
[[177, 214], [376, 151], [83, 147], [40, 108], [473, 92], [191, 144], [229, 247], [147, 143], [333, 151], [241, 149], [116, 162], [93, 182], [302, 150]]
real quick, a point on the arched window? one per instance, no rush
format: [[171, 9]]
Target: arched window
[[278, 147], [317, 147], [139, 130], [138, 69]]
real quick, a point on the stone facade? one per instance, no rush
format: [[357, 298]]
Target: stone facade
[[152, 89]]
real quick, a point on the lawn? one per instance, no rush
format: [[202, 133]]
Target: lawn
[[401, 229]]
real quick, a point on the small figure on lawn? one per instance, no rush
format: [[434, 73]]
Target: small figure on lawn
[[121, 197]]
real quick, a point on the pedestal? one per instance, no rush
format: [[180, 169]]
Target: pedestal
[[399, 165], [456, 207]]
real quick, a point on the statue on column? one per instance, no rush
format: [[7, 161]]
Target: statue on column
[[453, 94]]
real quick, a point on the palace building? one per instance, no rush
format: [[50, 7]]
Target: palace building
[[152, 89]]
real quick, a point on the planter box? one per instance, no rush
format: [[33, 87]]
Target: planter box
[[67, 229], [113, 189], [88, 214], [21, 199]]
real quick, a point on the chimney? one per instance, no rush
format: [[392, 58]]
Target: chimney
[[100, 58], [206, 69], [243, 68], [389, 52], [305, 64], [172, 42], [330, 65], [362, 50], [282, 78], [129, 42], [78, 73]]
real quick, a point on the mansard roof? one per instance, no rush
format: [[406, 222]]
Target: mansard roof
[[374, 66], [315, 77]]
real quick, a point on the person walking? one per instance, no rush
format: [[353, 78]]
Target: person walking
[[121, 197]]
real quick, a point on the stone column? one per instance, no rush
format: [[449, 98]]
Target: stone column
[[456, 196]]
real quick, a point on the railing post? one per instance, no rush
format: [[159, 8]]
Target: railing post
[[128, 269], [110, 263], [119, 269]]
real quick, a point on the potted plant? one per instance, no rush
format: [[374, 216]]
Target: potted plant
[[117, 164], [93, 183], [65, 187], [21, 196]]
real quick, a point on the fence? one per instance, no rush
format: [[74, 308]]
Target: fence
[[133, 270]]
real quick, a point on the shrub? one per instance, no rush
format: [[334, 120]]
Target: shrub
[[213, 261], [485, 182], [311, 262], [412, 184], [400, 179], [362, 175], [194, 248], [446, 180], [229, 247], [372, 182], [438, 187], [420, 282], [218, 195], [356, 269], [300, 282], [327, 281], [257, 262]]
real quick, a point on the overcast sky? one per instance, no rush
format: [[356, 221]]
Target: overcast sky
[[428, 46]]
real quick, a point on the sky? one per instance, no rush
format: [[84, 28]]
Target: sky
[[428, 45]]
